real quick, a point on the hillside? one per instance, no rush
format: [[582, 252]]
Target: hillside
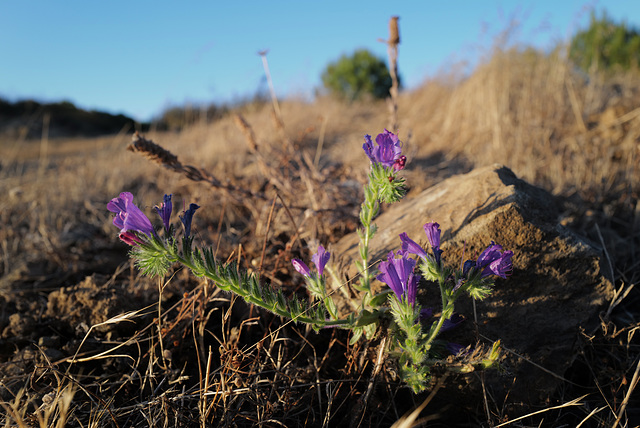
[[30, 119], [89, 340]]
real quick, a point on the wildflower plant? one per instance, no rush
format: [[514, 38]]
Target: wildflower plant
[[414, 330]]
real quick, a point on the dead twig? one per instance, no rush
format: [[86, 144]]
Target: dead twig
[[392, 52]]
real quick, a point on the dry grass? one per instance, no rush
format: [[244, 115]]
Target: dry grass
[[209, 360]]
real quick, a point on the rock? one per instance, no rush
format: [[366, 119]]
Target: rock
[[556, 287]]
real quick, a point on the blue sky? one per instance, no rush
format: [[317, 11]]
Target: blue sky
[[139, 57]]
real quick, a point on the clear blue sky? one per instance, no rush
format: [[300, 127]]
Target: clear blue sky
[[138, 57]]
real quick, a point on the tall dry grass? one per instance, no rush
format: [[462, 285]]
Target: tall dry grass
[[573, 134], [553, 125]]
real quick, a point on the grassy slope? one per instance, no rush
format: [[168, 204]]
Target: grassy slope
[[576, 137]]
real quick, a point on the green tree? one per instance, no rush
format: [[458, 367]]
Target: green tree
[[606, 45], [352, 77]]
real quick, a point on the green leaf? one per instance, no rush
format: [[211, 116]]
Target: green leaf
[[370, 330], [380, 298], [356, 335]]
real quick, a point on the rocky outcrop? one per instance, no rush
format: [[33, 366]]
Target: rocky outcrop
[[556, 288]]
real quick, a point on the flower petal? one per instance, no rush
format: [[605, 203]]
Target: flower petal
[[301, 267], [389, 276], [491, 253], [128, 215], [411, 246], [320, 259], [164, 211], [120, 203], [500, 267], [398, 274], [368, 148], [433, 234]]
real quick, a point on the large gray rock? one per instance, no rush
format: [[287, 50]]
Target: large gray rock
[[556, 287]]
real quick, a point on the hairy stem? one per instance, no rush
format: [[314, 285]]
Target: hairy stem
[[203, 264], [370, 208]]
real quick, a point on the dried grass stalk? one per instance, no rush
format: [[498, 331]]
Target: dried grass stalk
[[246, 130], [160, 155]]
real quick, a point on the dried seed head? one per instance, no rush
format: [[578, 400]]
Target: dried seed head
[[153, 151]]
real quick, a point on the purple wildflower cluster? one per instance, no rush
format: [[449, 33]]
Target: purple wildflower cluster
[[398, 274], [388, 152], [320, 259], [491, 262], [132, 221]]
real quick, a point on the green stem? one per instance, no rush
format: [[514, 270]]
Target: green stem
[[447, 308], [369, 210], [235, 285]]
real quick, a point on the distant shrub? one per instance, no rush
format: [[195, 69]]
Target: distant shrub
[[606, 45], [352, 77], [176, 118]]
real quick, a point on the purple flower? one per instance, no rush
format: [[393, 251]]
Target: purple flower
[[164, 211], [451, 323], [501, 267], [320, 259], [129, 218], [387, 152], [301, 267], [491, 253], [398, 275], [187, 217], [433, 235], [411, 246], [493, 262]]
